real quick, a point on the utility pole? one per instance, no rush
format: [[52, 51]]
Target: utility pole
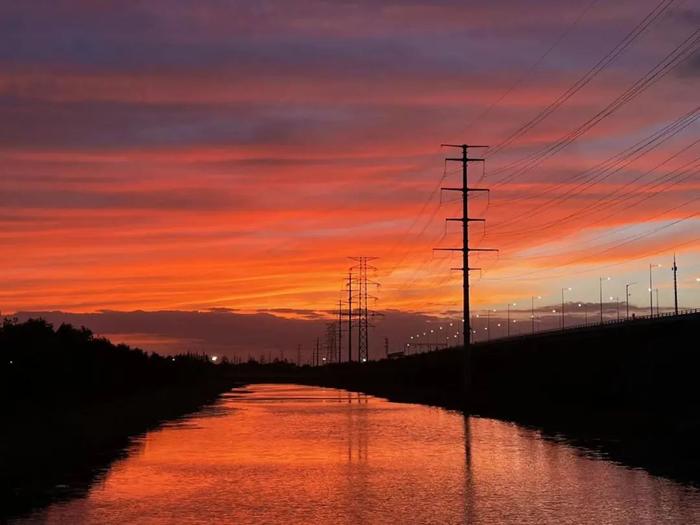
[[350, 316], [465, 249], [340, 331], [675, 285], [316, 354]]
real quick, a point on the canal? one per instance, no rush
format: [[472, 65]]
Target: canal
[[304, 455]]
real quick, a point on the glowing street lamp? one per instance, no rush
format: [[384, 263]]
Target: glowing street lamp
[[508, 309], [562, 304], [601, 296], [627, 299], [585, 314], [617, 305], [532, 313], [651, 289]]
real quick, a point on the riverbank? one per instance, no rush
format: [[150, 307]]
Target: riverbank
[[54, 451], [72, 404], [626, 391]]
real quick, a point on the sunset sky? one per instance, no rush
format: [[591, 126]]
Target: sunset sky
[[172, 155]]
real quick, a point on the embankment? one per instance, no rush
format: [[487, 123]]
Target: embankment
[[629, 390]]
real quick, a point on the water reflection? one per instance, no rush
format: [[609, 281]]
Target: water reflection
[[299, 455]]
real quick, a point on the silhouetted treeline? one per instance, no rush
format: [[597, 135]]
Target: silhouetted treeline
[[37, 359], [72, 402]]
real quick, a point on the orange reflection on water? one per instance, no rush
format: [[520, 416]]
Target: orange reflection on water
[[299, 455]]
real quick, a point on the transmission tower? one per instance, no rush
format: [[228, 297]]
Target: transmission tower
[[331, 346], [465, 249], [362, 270], [350, 313]]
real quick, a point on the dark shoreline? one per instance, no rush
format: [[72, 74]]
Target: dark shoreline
[[661, 444], [53, 451]]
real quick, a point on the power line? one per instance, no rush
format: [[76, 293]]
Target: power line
[[604, 62]]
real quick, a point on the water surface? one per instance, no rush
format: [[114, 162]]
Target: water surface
[[304, 455]]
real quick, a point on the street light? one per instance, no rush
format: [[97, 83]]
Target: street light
[[532, 314], [617, 305], [601, 296], [657, 303], [627, 298], [651, 290], [488, 323], [508, 324], [585, 314], [562, 305]]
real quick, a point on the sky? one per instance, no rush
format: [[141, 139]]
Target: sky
[[227, 157]]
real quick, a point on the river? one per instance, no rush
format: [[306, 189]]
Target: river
[[304, 455]]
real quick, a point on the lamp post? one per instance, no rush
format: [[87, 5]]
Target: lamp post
[[627, 299], [488, 323], [600, 281], [562, 305], [617, 305], [658, 313], [532, 313], [651, 290], [508, 324]]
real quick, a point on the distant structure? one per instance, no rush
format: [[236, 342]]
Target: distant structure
[[362, 269]]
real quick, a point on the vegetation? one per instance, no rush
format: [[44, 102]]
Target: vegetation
[[72, 403], [37, 359]]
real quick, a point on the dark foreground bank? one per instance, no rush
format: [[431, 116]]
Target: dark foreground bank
[[628, 391], [72, 403]]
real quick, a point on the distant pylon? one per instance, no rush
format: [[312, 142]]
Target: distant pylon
[[363, 312]]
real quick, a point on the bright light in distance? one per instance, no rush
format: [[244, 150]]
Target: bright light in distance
[[580, 305], [215, 358], [364, 359], [554, 311]]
